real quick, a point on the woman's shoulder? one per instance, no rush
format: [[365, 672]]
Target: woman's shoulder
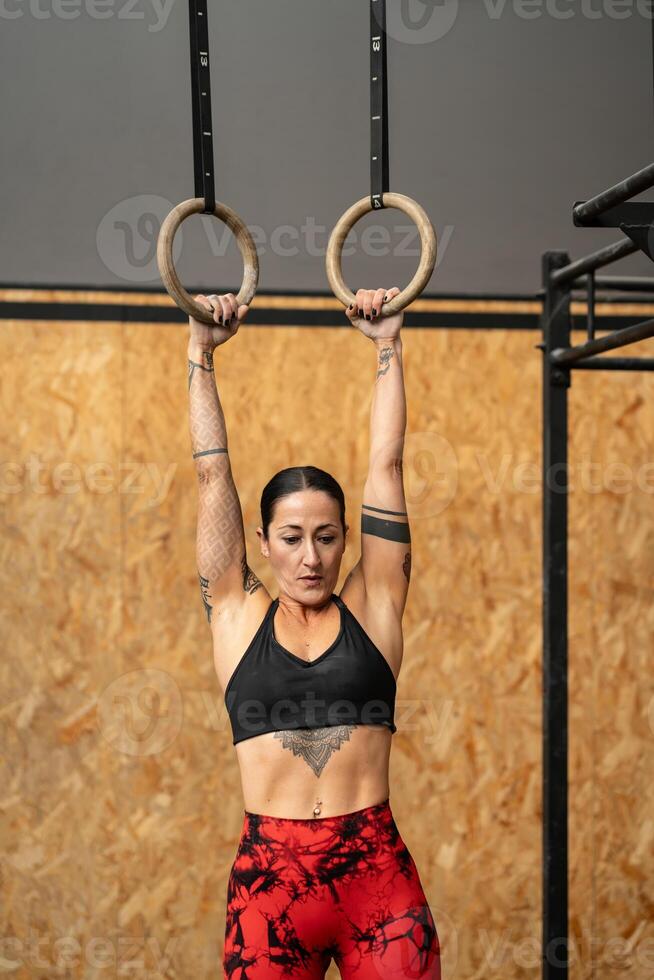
[[378, 618], [235, 621]]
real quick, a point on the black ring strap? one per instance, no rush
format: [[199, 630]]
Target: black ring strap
[[201, 98], [378, 104]]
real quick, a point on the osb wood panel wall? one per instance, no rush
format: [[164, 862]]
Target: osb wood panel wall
[[120, 801]]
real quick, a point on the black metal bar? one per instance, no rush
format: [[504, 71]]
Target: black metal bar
[[633, 185], [641, 235], [611, 253], [555, 323], [625, 284], [379, 152], [615, 364], [627, 213], [590, 306], [610, 341], [201, 101]]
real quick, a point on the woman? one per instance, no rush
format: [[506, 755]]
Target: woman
[[309, 681]]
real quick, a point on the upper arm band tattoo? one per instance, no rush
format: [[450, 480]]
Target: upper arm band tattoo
[[391, 530], [395, 513]]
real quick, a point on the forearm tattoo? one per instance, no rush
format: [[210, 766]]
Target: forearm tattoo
[[386, 355], [315, 745], [206, 365], [220, 536]]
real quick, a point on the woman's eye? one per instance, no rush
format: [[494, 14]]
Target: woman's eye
[[324, 540]]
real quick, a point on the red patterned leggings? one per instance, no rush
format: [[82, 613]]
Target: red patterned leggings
[[302, 892]]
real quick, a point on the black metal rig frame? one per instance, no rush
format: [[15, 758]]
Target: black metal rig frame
[[561, 277]]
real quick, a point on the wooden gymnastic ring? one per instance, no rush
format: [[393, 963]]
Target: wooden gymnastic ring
[[427, 256], [244, 240]]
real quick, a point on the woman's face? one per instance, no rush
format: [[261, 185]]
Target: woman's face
[[305, 538]]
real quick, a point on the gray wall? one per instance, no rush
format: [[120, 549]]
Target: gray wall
[[501, 115]]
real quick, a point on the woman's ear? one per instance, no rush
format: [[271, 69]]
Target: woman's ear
[[263, 543]]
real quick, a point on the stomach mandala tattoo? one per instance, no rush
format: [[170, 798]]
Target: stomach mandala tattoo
[[315, 745]]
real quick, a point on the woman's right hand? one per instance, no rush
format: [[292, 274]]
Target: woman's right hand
[[228, 316]]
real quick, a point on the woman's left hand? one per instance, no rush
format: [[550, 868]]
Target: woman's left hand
[[365, 314]]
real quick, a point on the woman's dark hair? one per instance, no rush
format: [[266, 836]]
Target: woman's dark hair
[[295, 478]]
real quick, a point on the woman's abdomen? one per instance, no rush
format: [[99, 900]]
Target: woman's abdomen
[[284, 774]]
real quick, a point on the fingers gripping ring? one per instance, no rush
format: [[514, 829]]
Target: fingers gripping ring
[[244, 240], [427, 255]]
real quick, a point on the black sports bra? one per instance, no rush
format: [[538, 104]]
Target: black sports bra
[[273, 690]]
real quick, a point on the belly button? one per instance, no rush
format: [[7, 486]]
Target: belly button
[[316, 809]]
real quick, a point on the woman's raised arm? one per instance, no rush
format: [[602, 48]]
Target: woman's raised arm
[[221, 556], [385, 563]]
